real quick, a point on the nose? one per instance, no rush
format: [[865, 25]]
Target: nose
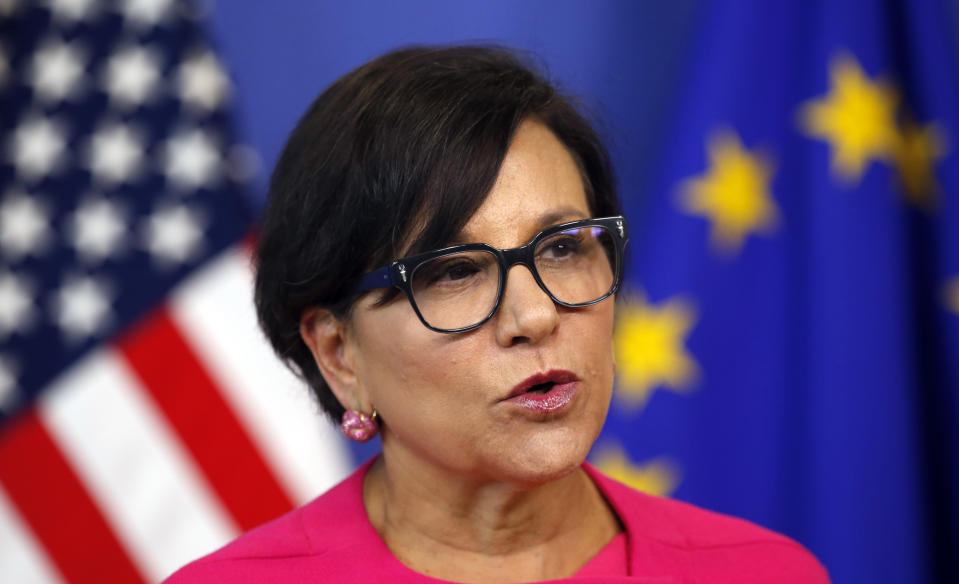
[[526, 313]]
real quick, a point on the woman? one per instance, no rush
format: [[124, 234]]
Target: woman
[[437, 261]]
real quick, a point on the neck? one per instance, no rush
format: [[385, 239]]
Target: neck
[[461, 528]]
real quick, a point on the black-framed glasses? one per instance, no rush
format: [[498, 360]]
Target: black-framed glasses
[[459, 288]]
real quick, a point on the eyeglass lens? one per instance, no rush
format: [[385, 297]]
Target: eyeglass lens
[[459, 290]]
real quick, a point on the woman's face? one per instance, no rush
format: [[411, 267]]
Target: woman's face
[[444, 397]]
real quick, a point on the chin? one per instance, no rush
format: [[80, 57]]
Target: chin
[[544, 459], [553, 453]]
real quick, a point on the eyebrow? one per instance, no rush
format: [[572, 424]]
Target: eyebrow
[[555, 217], [563, 215]]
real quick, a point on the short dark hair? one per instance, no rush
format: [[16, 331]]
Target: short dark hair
[[393, 159]]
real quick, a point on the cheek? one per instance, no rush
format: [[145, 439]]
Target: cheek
[[381, 345], [423, 391], [596, 341], [596, 338], [402, 364], [601, 365]]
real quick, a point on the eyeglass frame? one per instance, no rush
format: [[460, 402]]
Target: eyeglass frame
[[395, 274]]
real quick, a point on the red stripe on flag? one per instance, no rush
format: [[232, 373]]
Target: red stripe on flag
[[56, 506], [166, 365]]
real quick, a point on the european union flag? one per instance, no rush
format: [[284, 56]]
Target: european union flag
[[789, 349]]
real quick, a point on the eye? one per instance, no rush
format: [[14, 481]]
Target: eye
[[452, 270], [561, 245], [458, 271]]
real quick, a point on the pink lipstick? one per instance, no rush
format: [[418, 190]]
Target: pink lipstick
[[545, 392]]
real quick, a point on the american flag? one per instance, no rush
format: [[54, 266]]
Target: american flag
[[143, 419]]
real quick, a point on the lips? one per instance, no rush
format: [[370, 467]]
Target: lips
[[545, 392], [537, 381]]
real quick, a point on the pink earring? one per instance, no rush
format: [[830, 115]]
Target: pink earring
[[358, 426]]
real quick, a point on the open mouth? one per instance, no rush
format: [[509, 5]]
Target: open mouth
[[550, 392], [543, 383], [541, 388]]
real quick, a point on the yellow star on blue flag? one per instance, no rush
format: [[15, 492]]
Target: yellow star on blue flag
[[857, 118], [650, 346], [733, 193]]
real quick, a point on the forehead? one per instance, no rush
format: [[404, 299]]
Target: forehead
[[538, 185]]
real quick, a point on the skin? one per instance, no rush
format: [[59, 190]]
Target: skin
[[471, 488]]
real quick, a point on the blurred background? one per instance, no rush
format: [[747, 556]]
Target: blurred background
[[787, 344]]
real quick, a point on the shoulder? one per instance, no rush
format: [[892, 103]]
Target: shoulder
[[283, 538], [704, 543], [317, 538]]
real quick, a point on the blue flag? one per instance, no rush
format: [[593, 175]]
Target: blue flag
[[788, 347]]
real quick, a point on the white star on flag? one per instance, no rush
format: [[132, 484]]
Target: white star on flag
[[24, 226], [81, 307], [131, 75], [146, 13], [173, 235], [192, 159], [38, 146], [116, 154], [8, 383], [96, 229], [57, 70], [16, 304], [71, 10], [201, 82]]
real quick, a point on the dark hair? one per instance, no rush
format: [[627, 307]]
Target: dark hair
[[393, 159]]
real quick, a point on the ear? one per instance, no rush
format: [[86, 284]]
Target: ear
[[328, 340]]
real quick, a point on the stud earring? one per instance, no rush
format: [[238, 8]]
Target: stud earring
[[358, 426]]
